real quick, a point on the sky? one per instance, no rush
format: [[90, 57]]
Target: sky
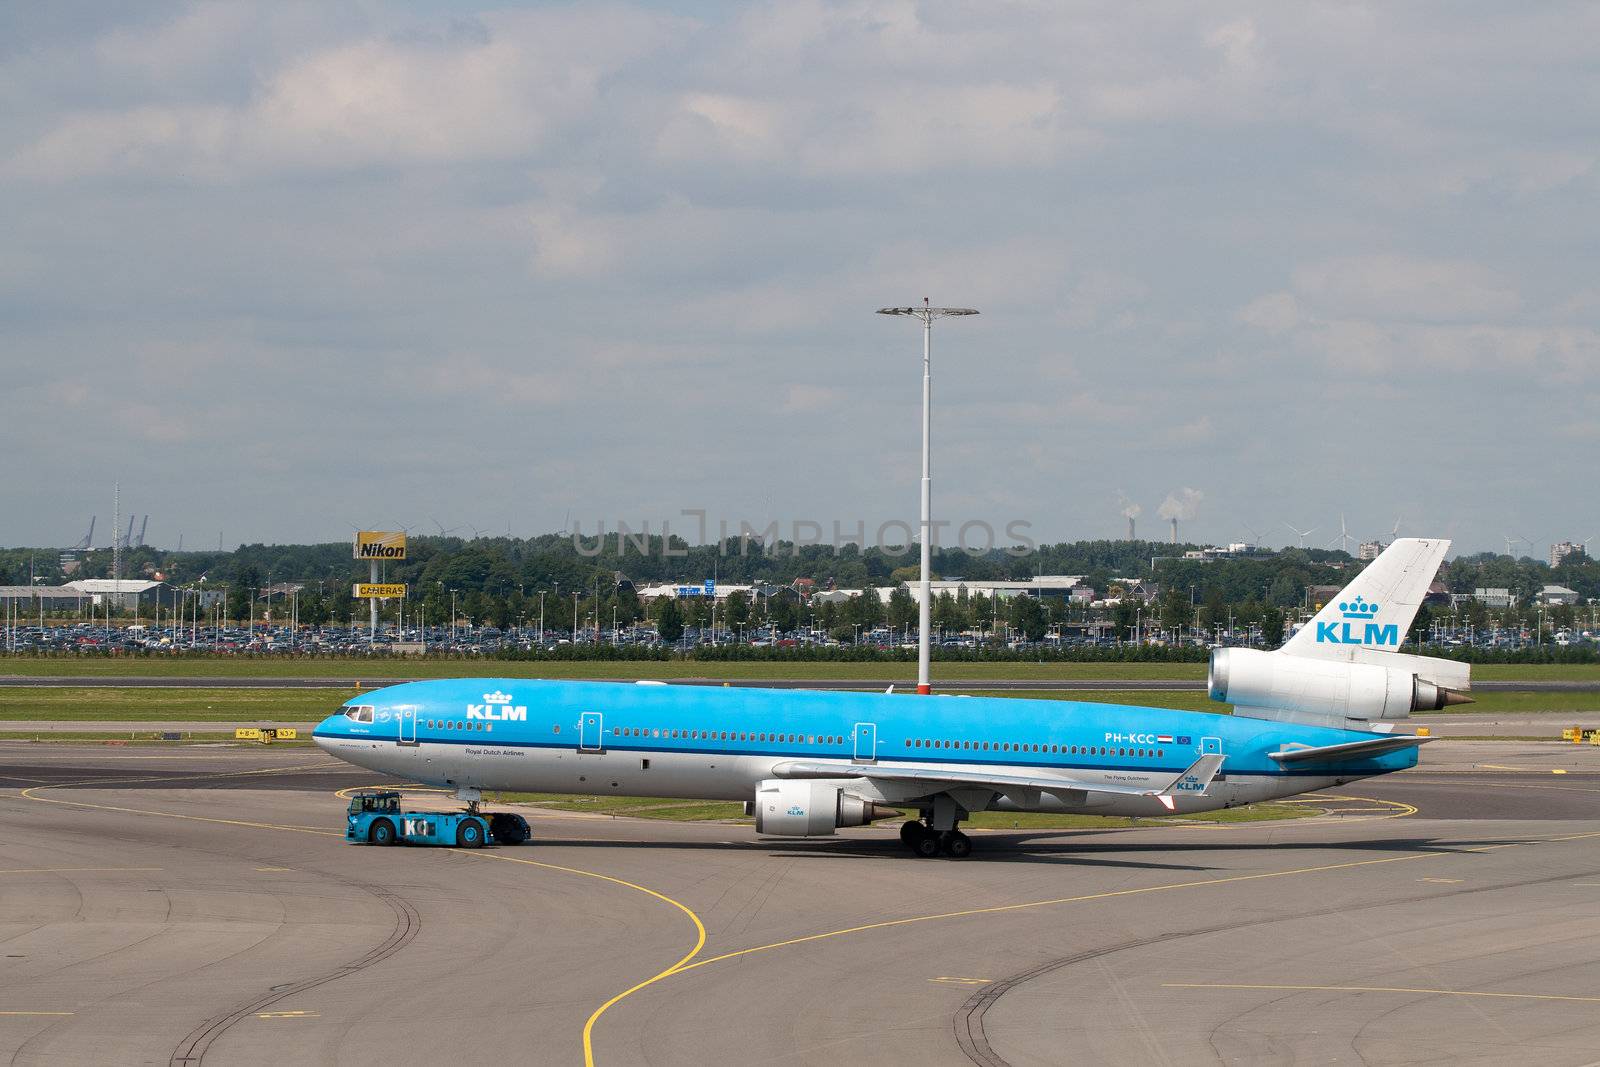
[[285, 270]]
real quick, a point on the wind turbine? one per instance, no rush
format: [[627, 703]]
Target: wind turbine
[[1511, 541], [1344, 536], [1302, 534], [1253, 532]]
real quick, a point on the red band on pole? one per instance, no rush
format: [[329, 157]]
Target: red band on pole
[[924, 690]]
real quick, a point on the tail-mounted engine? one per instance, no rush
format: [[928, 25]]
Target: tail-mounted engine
[[1375, 687]]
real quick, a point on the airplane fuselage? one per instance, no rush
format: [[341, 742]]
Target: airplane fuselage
[[718, 743]]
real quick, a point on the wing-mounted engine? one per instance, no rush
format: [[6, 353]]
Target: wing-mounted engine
[[1375, 687], [810, 808]]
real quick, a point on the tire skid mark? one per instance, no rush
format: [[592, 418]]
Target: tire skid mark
[[968, 1020], [407, 924]]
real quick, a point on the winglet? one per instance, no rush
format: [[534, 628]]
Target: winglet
[[1194, 780]]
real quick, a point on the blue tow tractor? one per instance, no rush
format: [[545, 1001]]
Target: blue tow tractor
[[376, 818]]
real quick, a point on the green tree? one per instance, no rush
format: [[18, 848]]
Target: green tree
[[1028, 617], [867, 609], [736, 609], [240, 592], [1272, 627], [313, 607], [783, 611], [902, 608], [947, 614], [669, 619]]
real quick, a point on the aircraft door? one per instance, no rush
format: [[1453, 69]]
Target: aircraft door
[[1210, 746], [591, 732], [408, 725], [866, 738]]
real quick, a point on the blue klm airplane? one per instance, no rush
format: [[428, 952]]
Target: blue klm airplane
[[1318, 712]]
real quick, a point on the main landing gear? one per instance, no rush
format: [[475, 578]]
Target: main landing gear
[[927, 842]]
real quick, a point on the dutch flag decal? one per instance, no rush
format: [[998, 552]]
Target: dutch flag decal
[[1164, 739]]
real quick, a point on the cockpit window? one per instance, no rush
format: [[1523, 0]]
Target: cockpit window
[[363, 713]]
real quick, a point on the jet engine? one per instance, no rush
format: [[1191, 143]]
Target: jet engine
[[810, 808], [1273, 685]]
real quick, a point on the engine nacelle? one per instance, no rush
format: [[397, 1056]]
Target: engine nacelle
[[1326, 691], [810, 808]]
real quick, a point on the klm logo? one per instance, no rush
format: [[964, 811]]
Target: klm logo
[[1358, 627], [497, 707], [1191, 784]]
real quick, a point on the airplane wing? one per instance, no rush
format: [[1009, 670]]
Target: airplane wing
[[1193, 779], [1349, 751]]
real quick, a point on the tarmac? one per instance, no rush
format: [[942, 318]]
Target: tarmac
[[196, 904]]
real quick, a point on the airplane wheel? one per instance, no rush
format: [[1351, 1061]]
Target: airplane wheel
[[957, 845], [382, 832], [910, 831], [926, 846]]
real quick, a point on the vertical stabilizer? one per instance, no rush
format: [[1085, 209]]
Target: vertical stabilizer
[[1375, 610]]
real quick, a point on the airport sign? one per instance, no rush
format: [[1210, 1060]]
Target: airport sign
[[377, 591], [380, 545]]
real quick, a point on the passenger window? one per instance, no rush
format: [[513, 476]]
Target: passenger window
[[616, 731], [556, 728]]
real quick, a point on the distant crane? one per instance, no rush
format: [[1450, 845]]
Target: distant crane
[[88, 538], [143, 526]]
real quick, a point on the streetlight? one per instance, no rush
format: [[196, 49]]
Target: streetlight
[[926, 314]]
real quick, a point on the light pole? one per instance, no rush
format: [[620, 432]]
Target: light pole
[[926, 314]]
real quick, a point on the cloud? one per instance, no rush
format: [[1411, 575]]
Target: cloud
[[1408, 288], [616, 235]]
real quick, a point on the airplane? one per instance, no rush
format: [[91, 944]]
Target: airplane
[[1318, 712]]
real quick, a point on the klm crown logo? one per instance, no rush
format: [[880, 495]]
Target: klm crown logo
[[1359, 609], [497, 697], [1359, 627]]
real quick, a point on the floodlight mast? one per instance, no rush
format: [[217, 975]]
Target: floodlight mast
[[925, 607]]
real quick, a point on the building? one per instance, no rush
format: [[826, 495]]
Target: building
[[1562, 550], [1058, 585], [30, 598], [1493, 597], [125, 594], [1370, 550], [1558, 594], [687, 591]]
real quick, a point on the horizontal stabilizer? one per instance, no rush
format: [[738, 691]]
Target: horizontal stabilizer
[[1352, 750], [1193, 781]]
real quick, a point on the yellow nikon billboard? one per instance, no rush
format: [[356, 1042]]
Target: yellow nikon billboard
[[373, 591], [379, 544]]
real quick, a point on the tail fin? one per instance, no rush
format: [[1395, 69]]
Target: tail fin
[[1375, 610]]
